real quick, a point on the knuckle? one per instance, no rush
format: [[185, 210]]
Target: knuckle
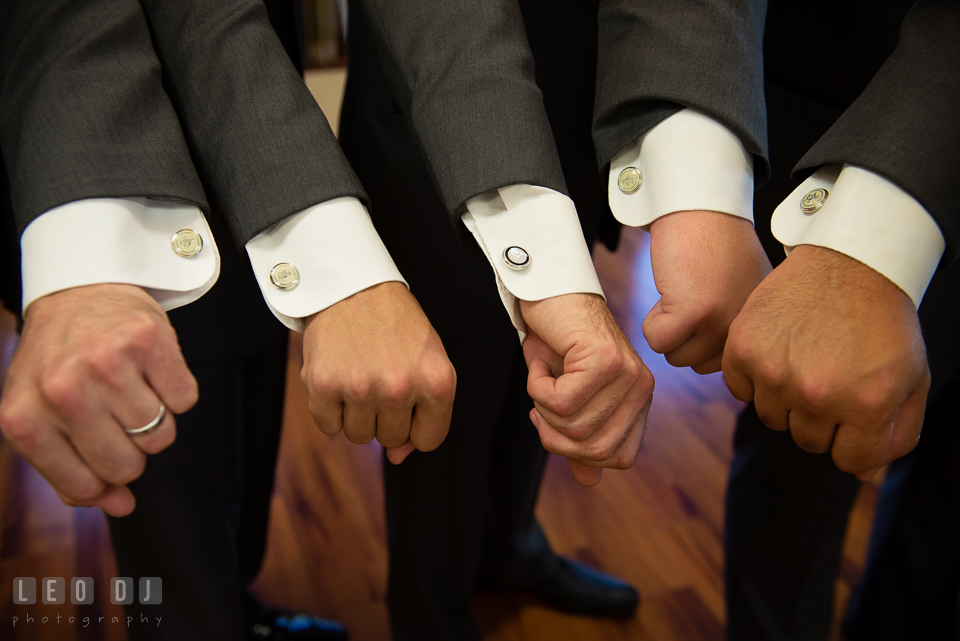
[[394, 388], [17, 426], [600, 452], [625, 461], [856, 462], [771, 372], [358, 437], [442, 386], [565, 406], [360, 385], [141, 331], [125, 471], [737, 352], [873, 402], [814, 393], [808, 442], [317, 381], [612, 359], [62, 390], [85, 491], [395, 439]]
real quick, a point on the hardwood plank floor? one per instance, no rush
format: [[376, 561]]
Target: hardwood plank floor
[[659, 525]]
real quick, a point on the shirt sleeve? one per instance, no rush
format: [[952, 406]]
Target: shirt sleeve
[[164, 247], [532, 237], [865, 216], [688, 162], [318, 257]]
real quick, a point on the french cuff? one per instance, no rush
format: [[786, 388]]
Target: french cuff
[[688, 162], [164, 247], [316, 258], [533, 240], [865, 216]]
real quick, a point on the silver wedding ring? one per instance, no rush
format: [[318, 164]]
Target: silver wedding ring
[[152, 425]]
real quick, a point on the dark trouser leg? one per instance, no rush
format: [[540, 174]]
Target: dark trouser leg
[[191, 506], [910, 586], [437, 502], [786, 514], [263, 385], [514, 547]]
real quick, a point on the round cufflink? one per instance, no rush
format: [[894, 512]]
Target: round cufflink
[[186, 243], [284, 276], [630, 180], [813, 200], [516, 258]]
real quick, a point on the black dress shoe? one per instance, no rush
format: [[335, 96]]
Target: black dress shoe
[[284, 626], [572, 587]]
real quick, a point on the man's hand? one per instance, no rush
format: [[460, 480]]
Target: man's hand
[[831, 350], [705, 264], [590, 389], [92, 361], [375, 368]]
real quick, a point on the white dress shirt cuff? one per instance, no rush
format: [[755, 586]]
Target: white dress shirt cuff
[[688, 162], [866, 217], [544, 225], [335, 251], [118, 240]]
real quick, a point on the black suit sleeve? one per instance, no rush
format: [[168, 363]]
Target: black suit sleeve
[[906, 125]]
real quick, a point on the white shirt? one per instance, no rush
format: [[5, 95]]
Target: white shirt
[[688, 162]]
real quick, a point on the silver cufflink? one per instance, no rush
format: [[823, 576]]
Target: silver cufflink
[[813, 201], [186, 243], [630, 180], [516, 258], [284, 276]]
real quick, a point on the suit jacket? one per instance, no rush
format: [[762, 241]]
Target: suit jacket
[[464, 76], [261, 147], [875, 86], [172, 100]]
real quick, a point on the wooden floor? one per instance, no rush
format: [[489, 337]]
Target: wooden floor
[[658, 525]]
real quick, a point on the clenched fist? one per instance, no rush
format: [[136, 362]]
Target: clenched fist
[[93, 361], [375, 368], [590, 389], [705, 265], [831, 350]]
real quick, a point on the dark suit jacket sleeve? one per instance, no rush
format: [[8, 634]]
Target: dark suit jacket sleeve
[[83, 113], [463, 73], [657, 56], [906, 125], [261, 145]]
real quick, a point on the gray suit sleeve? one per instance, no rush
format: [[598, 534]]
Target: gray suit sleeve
[[83, 113], [906, 126], [657, 56], [261, 145], [463, 73]]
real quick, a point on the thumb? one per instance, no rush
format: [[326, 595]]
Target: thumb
[[585, 475], [535, 349], [116, 500], [666, 331], [396, 455]]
